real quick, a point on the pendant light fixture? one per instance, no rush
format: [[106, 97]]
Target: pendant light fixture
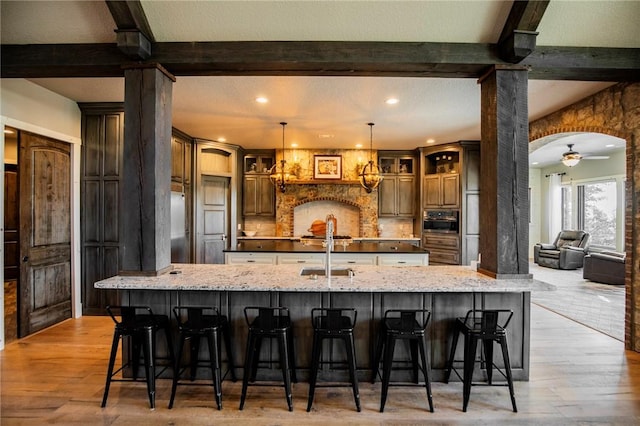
[[370, 176], [571, 158], [280, 177]]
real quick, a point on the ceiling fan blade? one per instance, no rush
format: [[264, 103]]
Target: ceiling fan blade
[[596, 157]]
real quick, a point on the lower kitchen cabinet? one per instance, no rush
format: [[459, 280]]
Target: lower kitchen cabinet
[[337, 258], [250, 258], [443, 248]]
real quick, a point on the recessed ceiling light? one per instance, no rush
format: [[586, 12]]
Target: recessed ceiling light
[[392, 101], [262, 100], [222, 139], [535, 162], [609, 145], [430, 141], [358, 145], [326, 136], [294, 145]]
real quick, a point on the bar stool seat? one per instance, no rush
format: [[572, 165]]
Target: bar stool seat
[[486, 326], [139, 325], [333, 324], [402, 324], [194, 324], [273, 323]]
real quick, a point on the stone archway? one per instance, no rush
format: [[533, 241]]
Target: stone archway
[[614, 111]]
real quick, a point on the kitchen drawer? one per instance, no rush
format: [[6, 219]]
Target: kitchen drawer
[[441, 240], [353, 259], [444, 257], [303, 259], [250, 258], [403, 260]]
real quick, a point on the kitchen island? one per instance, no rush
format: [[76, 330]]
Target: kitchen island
[[448, 291]]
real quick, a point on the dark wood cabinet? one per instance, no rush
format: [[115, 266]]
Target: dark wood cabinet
[[258, 193], [450, 181], [397, 193]]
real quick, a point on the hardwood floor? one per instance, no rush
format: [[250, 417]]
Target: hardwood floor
[[578, 376]]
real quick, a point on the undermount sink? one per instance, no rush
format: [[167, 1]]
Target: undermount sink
[[338, 272]]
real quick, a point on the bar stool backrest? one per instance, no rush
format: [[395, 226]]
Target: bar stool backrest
[[408, 318], [130, 316], [196, 316], [489, 320], [333, 318], [267, 318]]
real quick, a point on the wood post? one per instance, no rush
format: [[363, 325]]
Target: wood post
[[145, 216], [504, 211]]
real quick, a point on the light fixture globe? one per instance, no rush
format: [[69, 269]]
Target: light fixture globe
[[571, 157], [370, 176], [279, 175]]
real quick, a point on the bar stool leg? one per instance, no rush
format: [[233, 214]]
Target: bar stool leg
[[413, 345], [255, 357], [149, 365], [176, 370], [487, 345], [386, 369], [194, 352], [292, 355], [248, 366], [469, 361], [315, 361], [214, 359], [112, 360], [507, 368], [382, 336], [226, 334], [284, 364], [452, 355], [425, 372], [351, 358]]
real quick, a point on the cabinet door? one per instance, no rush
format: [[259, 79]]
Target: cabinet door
[[431, 194], [387, 197], [249, 197], [405, 196], [450, 190], [265, 197]]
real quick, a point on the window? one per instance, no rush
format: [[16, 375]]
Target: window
[[593, 207]]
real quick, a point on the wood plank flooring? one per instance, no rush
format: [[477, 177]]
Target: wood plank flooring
[[578, 376]]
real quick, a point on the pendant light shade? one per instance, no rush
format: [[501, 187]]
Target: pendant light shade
[[571, 157], [279, 176], [370, 176]]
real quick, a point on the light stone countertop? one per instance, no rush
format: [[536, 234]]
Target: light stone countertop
[[439, 279]]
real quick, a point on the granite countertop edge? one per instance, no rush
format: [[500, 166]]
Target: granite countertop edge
[[286, 278]]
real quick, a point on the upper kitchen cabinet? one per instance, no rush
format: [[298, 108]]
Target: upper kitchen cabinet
[[258, 192], [441, 178], [397, 193]]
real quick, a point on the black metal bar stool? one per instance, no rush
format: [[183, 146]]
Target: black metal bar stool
[[139, 324], [274, 323], [402, 324], [196, 323], [487, 326], [333, 324]]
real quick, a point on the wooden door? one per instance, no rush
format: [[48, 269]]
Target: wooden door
[[45, 232], [451, 191], [431, 195], [212, 219], [406, 196], [387, 197]]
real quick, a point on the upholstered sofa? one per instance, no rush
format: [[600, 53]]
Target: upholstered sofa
[[566, 252], [605, 267]]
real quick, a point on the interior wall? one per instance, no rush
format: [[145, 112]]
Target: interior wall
[[27, 106], [535, 208]]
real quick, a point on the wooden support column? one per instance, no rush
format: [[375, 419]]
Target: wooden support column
[[145, 221], [504, 180]]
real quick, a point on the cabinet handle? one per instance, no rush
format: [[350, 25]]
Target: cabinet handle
[[351, 261], [250, 261], [401, 261], [302, 261]]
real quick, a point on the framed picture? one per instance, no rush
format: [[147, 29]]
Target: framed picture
[[327, 166]]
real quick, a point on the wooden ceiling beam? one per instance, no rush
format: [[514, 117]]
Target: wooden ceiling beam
[[134, 35], [518, 37], [452, 60]]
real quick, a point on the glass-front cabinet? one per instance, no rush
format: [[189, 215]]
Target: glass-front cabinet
[[258, 195], [396, 193]]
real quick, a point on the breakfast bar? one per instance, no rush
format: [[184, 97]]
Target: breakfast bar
[[447, 291]]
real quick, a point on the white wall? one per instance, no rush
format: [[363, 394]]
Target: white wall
[[27, 106], [535, 201], [614, 167]]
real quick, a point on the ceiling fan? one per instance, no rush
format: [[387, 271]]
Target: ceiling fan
[[571, 157]]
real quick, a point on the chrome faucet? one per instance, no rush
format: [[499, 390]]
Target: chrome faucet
[[329, 246]]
